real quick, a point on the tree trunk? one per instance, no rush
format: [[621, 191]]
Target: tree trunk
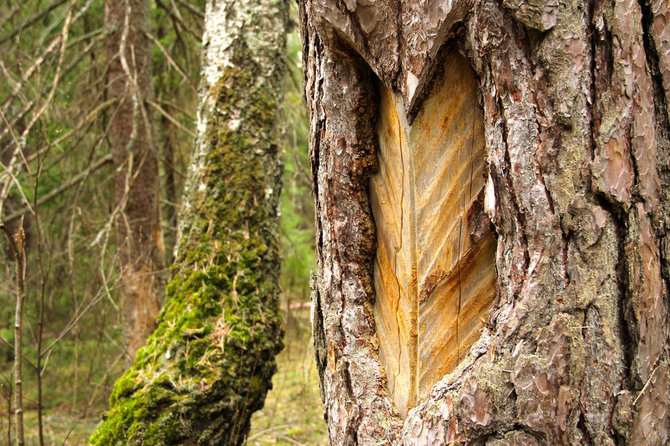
[[169, 142], [572, 347], [210, 362], [135, 159]]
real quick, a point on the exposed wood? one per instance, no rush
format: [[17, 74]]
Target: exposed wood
[[434, 275]]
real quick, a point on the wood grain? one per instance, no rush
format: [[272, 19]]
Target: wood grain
[[434, 271]]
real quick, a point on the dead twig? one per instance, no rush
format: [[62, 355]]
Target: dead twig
[[32, 20], [62, 188], [171, 119], [172, 62]]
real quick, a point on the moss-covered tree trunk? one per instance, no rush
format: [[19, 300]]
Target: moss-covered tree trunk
[[135, 159], [573, 95], [209, 364]]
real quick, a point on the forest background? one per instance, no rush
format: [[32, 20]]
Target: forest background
[[53, 104]]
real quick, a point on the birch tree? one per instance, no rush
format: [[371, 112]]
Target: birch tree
[[210, 362]]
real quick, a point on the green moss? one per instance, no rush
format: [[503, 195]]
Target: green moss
[[209, 363]]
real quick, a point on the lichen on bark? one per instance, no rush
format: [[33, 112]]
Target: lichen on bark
[[209, 364]]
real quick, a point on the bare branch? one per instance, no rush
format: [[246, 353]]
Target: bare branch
[[62, 188], [9, 15], [171, 119], [195, 11], [172, 62], [177, 20], [32, 69], [32, 20], [24, 135]]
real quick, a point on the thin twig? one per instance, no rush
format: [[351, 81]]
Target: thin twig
[[288, 439], [24, 135], [172, 62], [62, 188], [9, 15], [267, 431], [198, 13], [27, 74], [178, 20], [14, 137], [32, 20], [25, 358], [171, 119], [639, 395]]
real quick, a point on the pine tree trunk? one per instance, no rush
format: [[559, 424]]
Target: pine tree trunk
[[210, 362], [135, 160], [573, 349]]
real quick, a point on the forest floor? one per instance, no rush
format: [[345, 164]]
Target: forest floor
[[292, 414]]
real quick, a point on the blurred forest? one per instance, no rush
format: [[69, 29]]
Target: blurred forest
[[56, 182]]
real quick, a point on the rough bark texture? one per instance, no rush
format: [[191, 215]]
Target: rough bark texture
[[135, 159], [209, 364], [575, 350]]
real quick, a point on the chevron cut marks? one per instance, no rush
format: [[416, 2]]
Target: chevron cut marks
[[434, 270]]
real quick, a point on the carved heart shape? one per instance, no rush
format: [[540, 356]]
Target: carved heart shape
[[434, 268]]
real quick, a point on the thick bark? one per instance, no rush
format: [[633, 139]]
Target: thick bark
[[210, 362], [575, 348], [135, 159]]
